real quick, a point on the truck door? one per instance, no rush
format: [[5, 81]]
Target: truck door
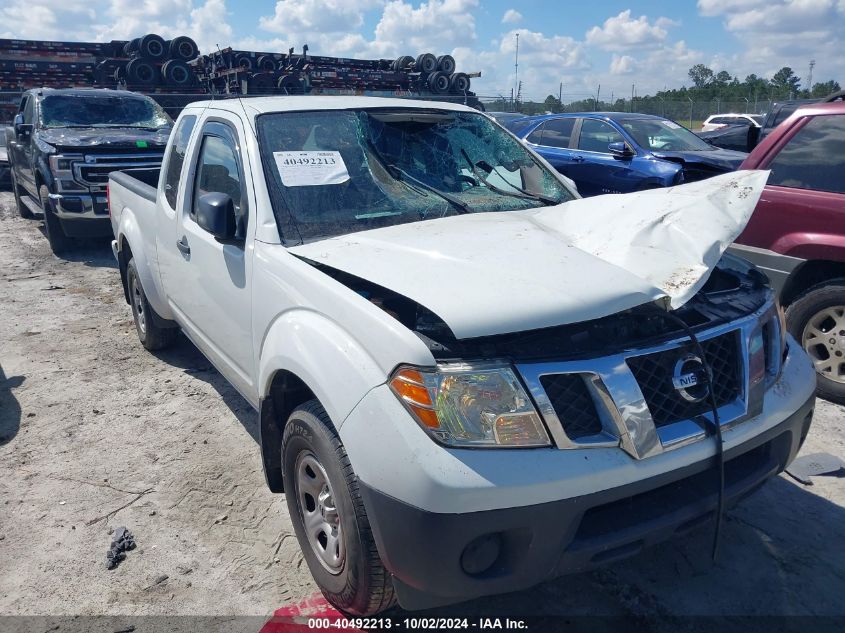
[[22, 149], [209, 282]]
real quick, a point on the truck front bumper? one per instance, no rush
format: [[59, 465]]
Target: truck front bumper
[[81, 214], [439, 553]]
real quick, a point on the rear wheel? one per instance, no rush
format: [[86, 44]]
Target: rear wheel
[[328, 515], [151, 335], [59, 242], [817, 320]]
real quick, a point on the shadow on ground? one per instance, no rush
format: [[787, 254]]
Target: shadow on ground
[[10, 409], [94, 252], [185, 355]]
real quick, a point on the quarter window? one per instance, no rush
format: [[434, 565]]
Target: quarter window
[[814, 158], [597, 135], [177, 158], [536, 137]]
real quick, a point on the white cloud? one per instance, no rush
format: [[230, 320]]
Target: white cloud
[[328, 16], [621, 32], [623, 65], [512, 16], [777, 33]]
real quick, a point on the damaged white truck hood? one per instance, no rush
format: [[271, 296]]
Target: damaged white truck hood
[[494, 273]]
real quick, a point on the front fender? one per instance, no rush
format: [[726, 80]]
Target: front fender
[[332, 364], [824, 246], [130, 233]]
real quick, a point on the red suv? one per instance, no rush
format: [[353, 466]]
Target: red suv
[[797, 233]]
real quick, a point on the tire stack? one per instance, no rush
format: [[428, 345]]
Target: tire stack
[[250, 72], [151, 63]]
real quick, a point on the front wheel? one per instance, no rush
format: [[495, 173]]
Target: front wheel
[[59, 242], [817, 320], [328, 515]]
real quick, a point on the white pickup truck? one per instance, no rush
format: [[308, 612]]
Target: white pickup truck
[[469, 379]]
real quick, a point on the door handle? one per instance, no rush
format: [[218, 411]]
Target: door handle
[[578, 159], [183, 247]]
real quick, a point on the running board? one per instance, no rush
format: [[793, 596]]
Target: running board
[[32, 205]]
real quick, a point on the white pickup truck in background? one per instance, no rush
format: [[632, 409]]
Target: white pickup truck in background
[[469, 380]]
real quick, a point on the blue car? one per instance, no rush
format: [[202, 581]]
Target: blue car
[[617, 152]]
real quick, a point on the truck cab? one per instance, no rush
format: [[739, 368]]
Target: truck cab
[[469, 380], [62, 147]]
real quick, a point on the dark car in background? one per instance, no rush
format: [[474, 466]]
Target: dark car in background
[[5, 171], [618, 152], [62, 147]]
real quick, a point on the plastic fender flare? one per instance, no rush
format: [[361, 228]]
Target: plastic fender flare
[[130, 233], [326, 359], [332, 364]]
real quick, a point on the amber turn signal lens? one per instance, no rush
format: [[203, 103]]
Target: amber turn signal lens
[[409, 385]]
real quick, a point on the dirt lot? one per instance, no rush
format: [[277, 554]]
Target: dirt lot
[[95, 433]]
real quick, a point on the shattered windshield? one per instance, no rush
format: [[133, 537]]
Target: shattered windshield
[[102, 111], [333, 172], [664, 135]]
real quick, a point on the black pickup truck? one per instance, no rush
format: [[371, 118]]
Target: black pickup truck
[[62, 147]]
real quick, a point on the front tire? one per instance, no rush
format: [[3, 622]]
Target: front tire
[[328, 515], [817, 320], [59, 242], [152, 336]]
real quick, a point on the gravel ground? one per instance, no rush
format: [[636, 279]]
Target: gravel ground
[[97, 433]]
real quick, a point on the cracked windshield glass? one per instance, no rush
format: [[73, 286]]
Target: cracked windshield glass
[[336, 172]]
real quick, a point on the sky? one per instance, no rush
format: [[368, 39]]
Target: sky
[[583, 45]]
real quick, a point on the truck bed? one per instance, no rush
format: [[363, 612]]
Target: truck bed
[[142, 182]]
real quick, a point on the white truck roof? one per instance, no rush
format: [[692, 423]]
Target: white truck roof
[[263, 105]]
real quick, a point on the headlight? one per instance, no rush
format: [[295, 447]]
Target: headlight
[[62, 163], [471, 406]]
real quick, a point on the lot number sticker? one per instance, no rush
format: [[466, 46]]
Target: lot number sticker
[[300, 169]]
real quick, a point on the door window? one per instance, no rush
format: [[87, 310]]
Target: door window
[[177, 158], [557, 132], [597, 135], [814, 158], [536, 137], [29, 111], [218, 171]]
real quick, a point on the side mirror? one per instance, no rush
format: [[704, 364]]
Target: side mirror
[[620, 150], [216, 214], [21, 128]]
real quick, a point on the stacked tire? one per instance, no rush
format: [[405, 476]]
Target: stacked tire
[[437, 74], [151, 61]]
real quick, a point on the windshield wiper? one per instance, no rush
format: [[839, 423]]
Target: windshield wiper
[[402, 176], [522, 193]]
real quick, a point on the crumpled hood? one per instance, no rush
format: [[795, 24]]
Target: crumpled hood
[[494, 273], [116, 138], [726, 159]]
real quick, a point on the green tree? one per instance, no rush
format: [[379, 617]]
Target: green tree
[[785, 80], [552, 104], [701, 75], [824, 89], [722, 78]]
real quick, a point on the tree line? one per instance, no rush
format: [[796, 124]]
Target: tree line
[[707, 93]]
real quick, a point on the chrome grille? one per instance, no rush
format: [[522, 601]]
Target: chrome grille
[[573, 404], [654, 372], [94, 170]]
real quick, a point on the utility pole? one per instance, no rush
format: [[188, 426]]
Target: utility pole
[[560, 95], [516, 66], [632, 97], [598, 93], [810, 80]]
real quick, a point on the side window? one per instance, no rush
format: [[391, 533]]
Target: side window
[[218, 171], [557, 132], [536, 136], [597, 135], [29, 111], [176, 158], [814, 158]]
